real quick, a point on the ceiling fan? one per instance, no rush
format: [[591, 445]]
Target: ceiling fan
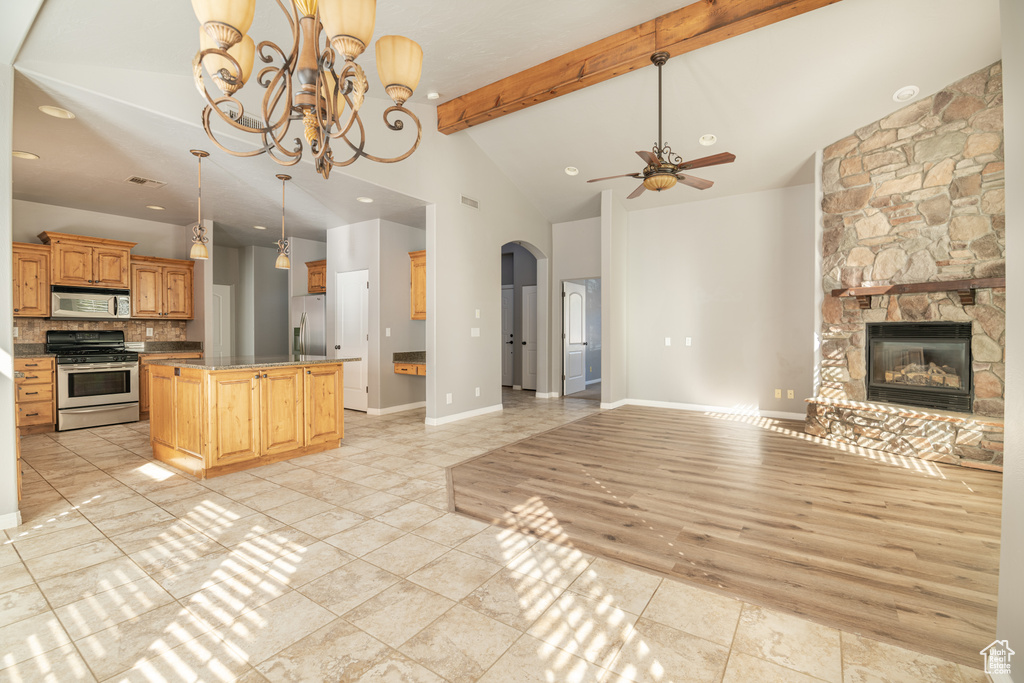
[[664, 168]]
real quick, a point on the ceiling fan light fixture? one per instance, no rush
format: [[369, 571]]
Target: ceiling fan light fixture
[[660, 181]]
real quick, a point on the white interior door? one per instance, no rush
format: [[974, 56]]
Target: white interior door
[[353, 335], [507, 335], [223, 321], [530, 337], [574, 334]]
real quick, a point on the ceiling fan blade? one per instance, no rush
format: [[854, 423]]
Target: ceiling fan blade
[[637, 192], [624, 175], [693, 181], [650, 158], [713, 160]]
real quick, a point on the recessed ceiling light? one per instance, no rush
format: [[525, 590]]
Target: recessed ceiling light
[[56, 112], [17, 153], [433, 95], [906, 93], [154, 207], [708, 139], [572, 170], [364, 200], [259, 227]]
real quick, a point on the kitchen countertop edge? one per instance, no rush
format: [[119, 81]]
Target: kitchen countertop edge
[[215, 364]]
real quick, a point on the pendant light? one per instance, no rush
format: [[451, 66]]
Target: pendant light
[[199, 251], [282, 262]]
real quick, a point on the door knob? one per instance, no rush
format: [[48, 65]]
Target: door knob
[[337, 347], [524, 343], [508, 342]]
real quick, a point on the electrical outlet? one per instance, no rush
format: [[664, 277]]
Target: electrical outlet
[[149, 331], [778, 393], [478, 313], [790, 393], [689, 341], [15, 332], [668, 341], [448, 399], [387, 331], [478, 391], [474, 332]]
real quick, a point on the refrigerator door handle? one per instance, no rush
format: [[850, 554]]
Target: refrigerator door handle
[[302, 334]]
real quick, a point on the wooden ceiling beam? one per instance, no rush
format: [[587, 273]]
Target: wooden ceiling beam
[[695, 26]]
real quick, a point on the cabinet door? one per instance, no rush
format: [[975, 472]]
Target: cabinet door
[[31, 284], [234, 417], [147, 291], [281, 399], [110, 267], [317, 279], [71, 264], [325, 393], [177, 292], [418, 288]]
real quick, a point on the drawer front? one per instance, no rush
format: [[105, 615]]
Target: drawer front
[[35, 413], [35, 392], [35, 377], [405, 369], [33, 365], [421, 370]]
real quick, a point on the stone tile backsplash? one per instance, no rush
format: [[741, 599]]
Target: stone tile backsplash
[[33, 330]]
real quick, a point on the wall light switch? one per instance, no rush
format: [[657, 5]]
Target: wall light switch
[[478, 391], [478, 313], [689, 341], [448, 399], [387, 331], [778, 393], [790, 393], [149, 331], [668, 341], [474, 332]]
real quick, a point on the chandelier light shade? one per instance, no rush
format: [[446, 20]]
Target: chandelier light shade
[[282, 262], [315, 83], [659, 182], [199, 252]]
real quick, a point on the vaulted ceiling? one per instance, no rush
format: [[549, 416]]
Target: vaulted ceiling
[[772, 97]]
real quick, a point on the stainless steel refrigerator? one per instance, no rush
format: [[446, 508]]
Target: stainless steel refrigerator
[[309, 316]]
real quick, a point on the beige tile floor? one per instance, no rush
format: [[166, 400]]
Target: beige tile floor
[[346, 566]]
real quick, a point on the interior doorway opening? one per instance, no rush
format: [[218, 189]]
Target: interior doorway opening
[[519, 318], [581, 338]]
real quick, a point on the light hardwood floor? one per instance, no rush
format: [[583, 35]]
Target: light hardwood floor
[[902, 550]]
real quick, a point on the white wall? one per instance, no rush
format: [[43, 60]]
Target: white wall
[[245, 316], [9, 514], [270, 314], [614, 301], [732, 274], [575, 255], [303, 251], [1011, 590], [396, 241], [153, 238]]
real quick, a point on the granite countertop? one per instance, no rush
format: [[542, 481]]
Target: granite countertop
[[410, 357], [165, 346], [31, 351], [248, 362]]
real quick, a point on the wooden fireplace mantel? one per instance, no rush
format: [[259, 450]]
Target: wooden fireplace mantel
[[965, 288]]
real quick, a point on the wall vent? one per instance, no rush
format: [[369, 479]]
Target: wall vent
[[471, 203], [246, 120], [144, 182]]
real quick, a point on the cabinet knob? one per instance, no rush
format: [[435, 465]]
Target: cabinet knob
[[308, 372], [264, 375], [16, 310]]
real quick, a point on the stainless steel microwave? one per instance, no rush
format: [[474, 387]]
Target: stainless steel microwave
[[90, 303]]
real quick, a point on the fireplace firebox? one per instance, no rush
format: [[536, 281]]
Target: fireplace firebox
[[920, 364]]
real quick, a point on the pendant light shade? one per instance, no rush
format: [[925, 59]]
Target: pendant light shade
[[282, 262], [226, 21], [222, 70], [348, 25], [199, 252], [399, 64]]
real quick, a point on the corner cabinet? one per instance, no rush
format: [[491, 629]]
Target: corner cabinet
[[161, 288], [316, 276], [418, 285], [31, 280], [77, 261]]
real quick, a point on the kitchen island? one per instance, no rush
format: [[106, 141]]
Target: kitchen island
[[216, 415]]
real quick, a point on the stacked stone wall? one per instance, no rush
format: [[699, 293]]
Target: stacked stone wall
[[918, 196]]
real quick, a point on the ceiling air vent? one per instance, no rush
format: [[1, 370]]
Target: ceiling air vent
[[471, 203], [144, 182]]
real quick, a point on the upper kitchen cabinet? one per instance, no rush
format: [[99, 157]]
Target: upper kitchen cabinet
[[77, 261], [316, 273], [161, 288], [31, 280], [418, 289]]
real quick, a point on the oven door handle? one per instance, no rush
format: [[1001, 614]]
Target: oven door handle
[[97, 367], [95, 409]]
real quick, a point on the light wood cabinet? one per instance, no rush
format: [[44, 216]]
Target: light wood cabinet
[[31, 280], [144, 360], [316, 275], [411, 369], [234, 417], [324, 398], [78, 261], [35, 395], [418, 285], [161, 288], [282, 408]]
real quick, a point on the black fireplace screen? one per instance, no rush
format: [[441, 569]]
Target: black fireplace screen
[[920, 364]]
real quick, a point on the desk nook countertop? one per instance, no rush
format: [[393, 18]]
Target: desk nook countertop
[[214, 416]]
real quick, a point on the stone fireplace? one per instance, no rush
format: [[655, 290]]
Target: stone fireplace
[[911, 202]]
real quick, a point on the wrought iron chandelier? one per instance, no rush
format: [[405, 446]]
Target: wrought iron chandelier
[[303, 83]]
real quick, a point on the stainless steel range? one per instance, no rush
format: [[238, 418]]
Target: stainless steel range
[[97, 378]]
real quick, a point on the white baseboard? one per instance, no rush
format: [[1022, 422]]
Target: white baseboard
[[547, 394], [396, 409], [593, 381], [1000, 678], [436, 421], [517, 387], [702, 408], [10, 520]]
